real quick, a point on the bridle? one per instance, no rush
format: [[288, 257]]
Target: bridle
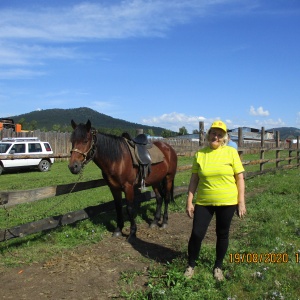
[[90, 152]]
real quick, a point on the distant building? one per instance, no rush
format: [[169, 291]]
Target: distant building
[[251, 135]]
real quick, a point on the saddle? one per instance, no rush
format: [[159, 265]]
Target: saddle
[[140, 154]]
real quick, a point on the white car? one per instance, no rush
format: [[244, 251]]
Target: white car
[[25, 146]]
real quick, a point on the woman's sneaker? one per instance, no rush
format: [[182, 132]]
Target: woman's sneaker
[[218, 274], [189, 272]]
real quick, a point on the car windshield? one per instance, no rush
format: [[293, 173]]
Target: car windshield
[[4, 147]]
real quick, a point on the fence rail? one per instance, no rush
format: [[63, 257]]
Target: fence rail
[[72, 217]]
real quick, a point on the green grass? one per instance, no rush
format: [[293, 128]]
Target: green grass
[[270, 230], [272, 225], [32, 248]]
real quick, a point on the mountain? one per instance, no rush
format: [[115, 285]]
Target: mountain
[[61, 118], [287, 132]]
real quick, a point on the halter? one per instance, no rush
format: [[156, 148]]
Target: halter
[[90, 151]]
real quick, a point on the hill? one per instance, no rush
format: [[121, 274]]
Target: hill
[[287, 132], [49, 119]]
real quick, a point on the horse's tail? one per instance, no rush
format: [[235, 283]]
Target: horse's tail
[[172, 199], [163, 189]]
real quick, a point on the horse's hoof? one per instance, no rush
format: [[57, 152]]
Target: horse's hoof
[[164, 225], [117, 234], [153, 225]]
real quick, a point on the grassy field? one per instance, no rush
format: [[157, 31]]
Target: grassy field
[[263, 257]]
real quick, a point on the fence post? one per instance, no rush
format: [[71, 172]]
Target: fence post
[[240, 141], [298, 151], [290, 150], [277, 146], [262, 151], [201, 133]]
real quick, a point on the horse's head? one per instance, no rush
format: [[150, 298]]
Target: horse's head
[[83, 141]]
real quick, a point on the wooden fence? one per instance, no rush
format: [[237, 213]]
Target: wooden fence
[[17, 197], [59, 141]]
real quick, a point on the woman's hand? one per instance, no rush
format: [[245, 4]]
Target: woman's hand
[[241, 210], [192, 188], [190, 210]]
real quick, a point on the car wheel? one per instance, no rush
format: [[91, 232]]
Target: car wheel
[[44, 165], [1, 169]]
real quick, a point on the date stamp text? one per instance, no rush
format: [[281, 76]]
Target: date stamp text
[[269, 258]]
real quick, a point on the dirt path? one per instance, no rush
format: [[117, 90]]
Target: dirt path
[[93, 272]]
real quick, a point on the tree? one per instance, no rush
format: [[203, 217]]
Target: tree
[[151, 132], [183, 131], [56, 127], [195, 131], [166, 133], [33, 125]]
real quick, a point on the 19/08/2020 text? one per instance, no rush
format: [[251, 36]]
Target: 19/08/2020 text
[[258, 258]]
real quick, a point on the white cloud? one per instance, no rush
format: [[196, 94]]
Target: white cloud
[[27, 31], [270, 123], [86, 20], [174, 121], [258, 112], [20, 73], [16, 54]]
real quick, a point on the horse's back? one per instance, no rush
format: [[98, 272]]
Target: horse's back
[[170, 156]]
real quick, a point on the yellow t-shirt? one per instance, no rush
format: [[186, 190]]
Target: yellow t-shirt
[[216, 170]]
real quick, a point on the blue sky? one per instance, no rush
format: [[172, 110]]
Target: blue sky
[[159, 63]]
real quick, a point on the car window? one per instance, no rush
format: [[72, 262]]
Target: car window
[[47, 147], [34, 147], [4, 147], [18, 148]]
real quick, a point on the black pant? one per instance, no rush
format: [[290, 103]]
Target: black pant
[[202, 218]]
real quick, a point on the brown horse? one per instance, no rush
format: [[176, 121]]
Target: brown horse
[[112, 155]]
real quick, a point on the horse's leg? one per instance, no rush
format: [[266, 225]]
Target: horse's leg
[[167, 197], [117, 195], [166, 216], [159, 201], [131, 211]]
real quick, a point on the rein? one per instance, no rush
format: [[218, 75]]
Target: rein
[[91, 151]]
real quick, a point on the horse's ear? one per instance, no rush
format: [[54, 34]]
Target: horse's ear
[[88, 125], [74, 125]]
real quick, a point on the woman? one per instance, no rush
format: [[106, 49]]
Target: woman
[[218, 173]]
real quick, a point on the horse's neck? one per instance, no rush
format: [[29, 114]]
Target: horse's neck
[[110, 149]]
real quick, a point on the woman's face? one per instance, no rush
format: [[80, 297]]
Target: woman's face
[[216, 138]]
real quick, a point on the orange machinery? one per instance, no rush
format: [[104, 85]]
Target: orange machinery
[[9, 123]]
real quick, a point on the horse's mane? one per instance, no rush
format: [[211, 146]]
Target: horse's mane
[[110, 146]]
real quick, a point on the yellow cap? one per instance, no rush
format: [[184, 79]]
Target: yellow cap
[[219, 124]]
